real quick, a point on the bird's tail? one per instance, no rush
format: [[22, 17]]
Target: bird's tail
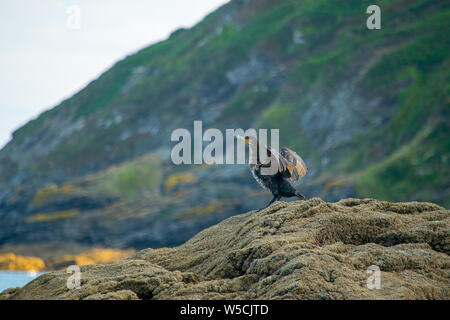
[[300, 195]]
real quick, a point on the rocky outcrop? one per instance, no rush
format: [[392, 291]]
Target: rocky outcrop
[[298, 250]]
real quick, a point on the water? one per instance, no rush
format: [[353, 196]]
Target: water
[[11, 279]]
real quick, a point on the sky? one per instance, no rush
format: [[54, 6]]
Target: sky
[[51, 49]]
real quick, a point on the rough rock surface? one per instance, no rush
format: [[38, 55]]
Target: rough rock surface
[[298, 250]]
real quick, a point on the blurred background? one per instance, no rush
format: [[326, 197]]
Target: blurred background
[[90, 179]]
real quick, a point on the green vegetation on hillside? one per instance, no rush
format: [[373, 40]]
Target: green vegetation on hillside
[[366, 109]]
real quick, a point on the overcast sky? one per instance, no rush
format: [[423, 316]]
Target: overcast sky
[[48, 51]]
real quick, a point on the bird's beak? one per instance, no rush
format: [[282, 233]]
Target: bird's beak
[[246, 140]]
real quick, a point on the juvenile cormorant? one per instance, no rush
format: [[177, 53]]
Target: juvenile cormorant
[[290, 166]]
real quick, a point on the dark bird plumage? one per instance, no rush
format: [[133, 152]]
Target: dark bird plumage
[[290, 166]]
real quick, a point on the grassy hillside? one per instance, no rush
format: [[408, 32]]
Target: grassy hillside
[[368, 110]]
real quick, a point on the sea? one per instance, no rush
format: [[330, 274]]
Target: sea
[[12, 279]]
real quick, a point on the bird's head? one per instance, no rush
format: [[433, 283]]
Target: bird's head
[[246, 139]]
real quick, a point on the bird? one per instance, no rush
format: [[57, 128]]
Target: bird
[[290, 167]]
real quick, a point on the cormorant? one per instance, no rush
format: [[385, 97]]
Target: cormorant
[[290, 167]]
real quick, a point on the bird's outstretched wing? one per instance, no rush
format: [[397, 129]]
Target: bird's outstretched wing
[[296, 167], [290, 164]]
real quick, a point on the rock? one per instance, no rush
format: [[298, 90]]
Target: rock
[[298, 250], [118, 295]]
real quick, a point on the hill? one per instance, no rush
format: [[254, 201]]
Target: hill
[[366, 109]]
